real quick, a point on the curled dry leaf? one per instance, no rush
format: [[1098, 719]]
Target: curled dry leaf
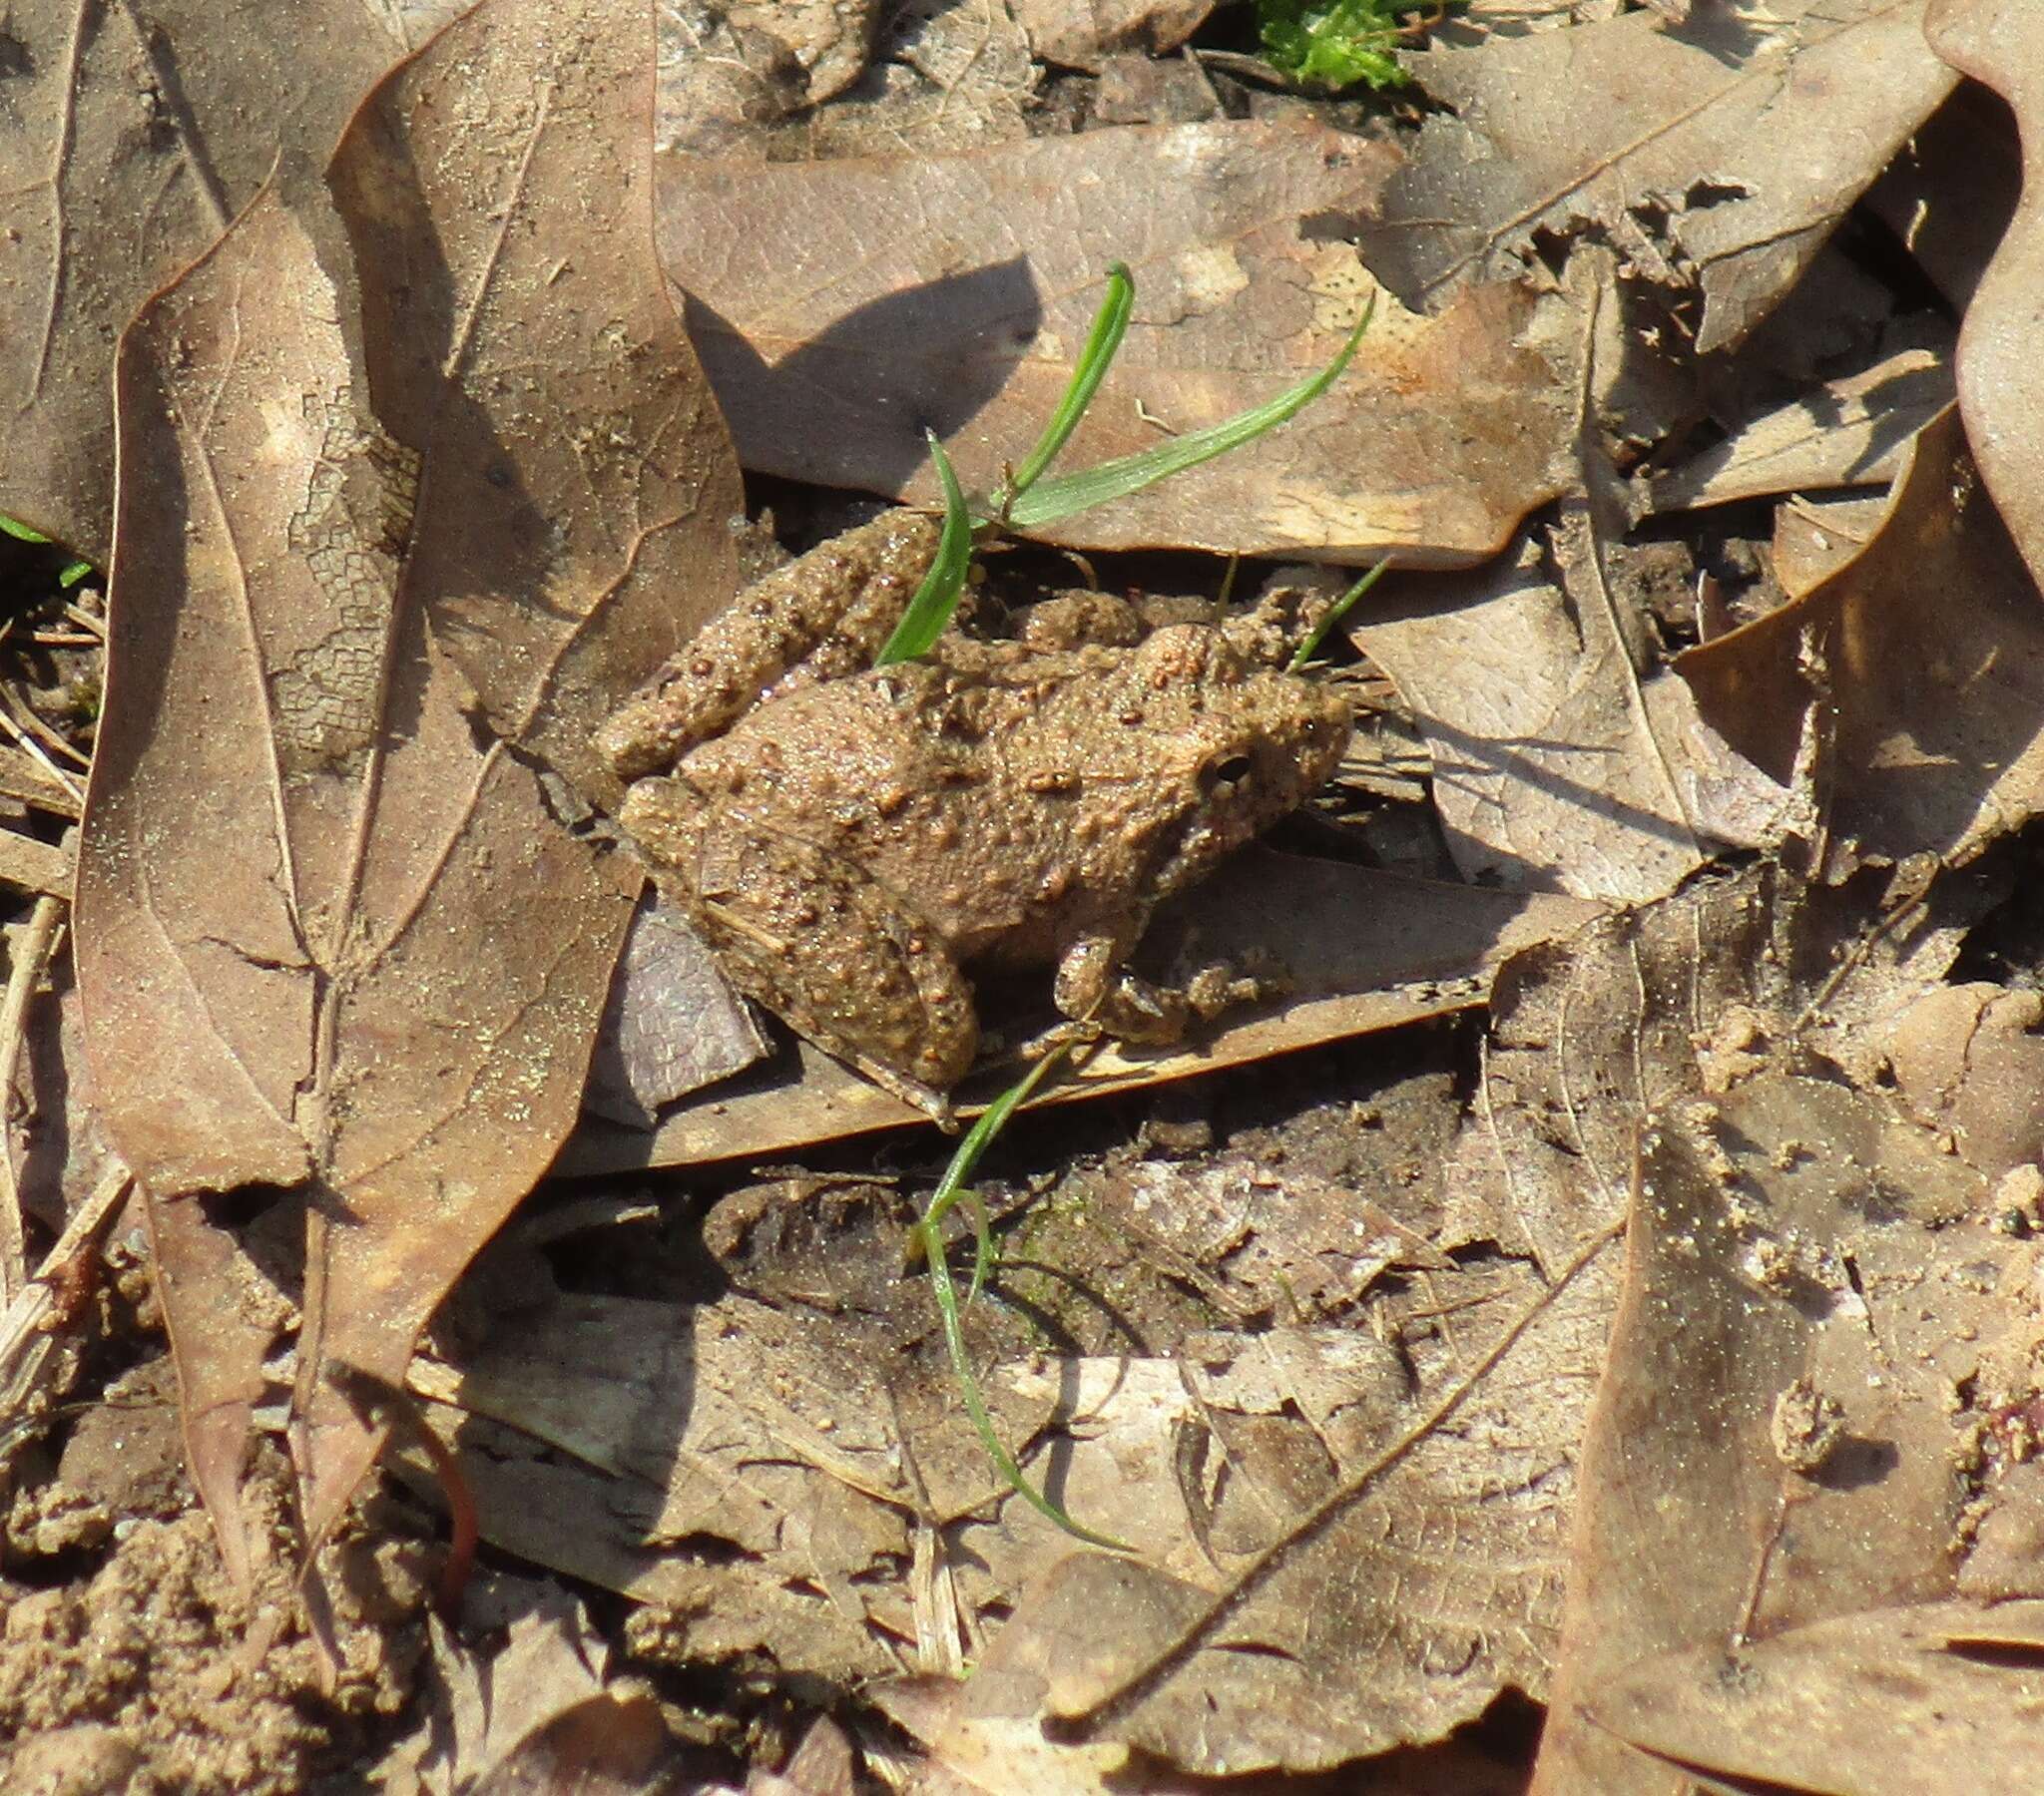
[[1925, 656], [1556, 766], [2002, 391], [1722, 150], [533, 1715], [921, 312], [1952, 190], [416, 473], [1847, 433], [129, 136]]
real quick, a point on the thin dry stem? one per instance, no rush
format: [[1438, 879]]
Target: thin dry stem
[[31, 957]]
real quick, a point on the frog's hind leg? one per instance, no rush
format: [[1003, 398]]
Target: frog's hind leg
[[841, 958], [822, 616]]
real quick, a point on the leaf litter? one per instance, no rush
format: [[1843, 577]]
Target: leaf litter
[[335, 939], [128, 138], [1724, 1198]]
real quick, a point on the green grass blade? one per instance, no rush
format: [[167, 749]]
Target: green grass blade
[[925, 1239], [938, 598], [15, 528], [1339, 608], [1052, 500], [1110, 325]]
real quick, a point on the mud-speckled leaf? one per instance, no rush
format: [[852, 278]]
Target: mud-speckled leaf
[[1721, 151], [129, 135], [953, 293], [415, 478], [1809, 1346], [1791, 1712]]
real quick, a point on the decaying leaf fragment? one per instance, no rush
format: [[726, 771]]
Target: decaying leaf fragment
[[1923, 656], [129, 136], [1723, 150], [921, 312], [417, 472]]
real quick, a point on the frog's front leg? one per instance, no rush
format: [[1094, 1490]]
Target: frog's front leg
[[1094, 987], [815, 939], [824, 616]]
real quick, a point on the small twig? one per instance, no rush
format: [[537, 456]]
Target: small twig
[[36, 752], [31, 1323], [25, 716], [31, 956]]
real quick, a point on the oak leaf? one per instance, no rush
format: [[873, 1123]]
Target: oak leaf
[[418, 473]]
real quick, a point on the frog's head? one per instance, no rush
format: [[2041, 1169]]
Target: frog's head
[[1243, 744]]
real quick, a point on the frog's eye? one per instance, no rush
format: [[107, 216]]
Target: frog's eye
[[1227, 774]]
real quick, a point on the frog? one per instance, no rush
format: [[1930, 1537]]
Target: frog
[[853, 841]]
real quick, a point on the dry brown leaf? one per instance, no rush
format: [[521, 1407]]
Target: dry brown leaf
[[1815, 537], [1084, 34], [1723, 151], [748, 81], [129, 136], [1644, 1016], [945, 76], [1389, 1577], [31, 865], [1927, 651], [760, 1469], [1366, 950], [921, 311], [1847, 433], [770, 1470], [1925, 1699], [2000, 389], [537, 1703], [730, 67], [411, 487], [1556, 766], [671, 1025], [1798, 1420], [1969, 1063]]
